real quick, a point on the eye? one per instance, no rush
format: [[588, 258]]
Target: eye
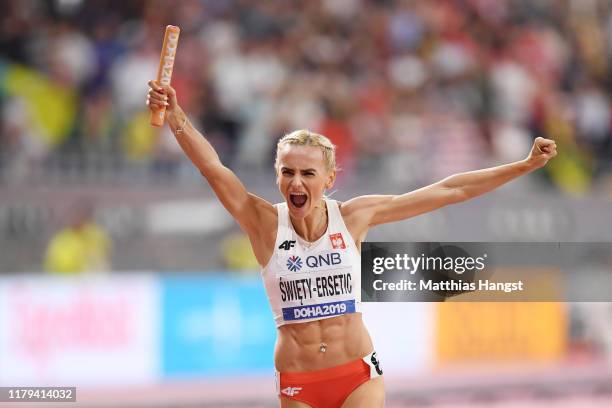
[[309, 173], [286, 172]]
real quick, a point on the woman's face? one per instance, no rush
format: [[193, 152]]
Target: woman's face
[[302, 177]]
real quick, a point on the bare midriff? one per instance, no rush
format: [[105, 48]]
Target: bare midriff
[[299, 345]]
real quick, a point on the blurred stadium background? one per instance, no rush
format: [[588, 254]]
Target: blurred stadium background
[[121, 274]]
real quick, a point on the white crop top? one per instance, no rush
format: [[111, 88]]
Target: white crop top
[[312, 281]]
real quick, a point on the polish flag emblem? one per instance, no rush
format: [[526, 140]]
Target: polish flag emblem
[[337, 241]]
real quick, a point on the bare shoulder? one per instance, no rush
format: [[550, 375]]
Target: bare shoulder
[[265, 212], [358, 212], [263, 234]]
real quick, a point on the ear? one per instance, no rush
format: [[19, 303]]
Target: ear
[[331, 179]]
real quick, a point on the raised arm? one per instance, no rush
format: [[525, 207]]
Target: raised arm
[[245, 207], [367, 211]]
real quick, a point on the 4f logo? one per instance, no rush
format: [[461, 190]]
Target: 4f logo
[[294, 263], [376, 363], [337, 241], [291, 391], [287, 245]]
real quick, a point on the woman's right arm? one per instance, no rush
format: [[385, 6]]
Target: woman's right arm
[[248, 209]]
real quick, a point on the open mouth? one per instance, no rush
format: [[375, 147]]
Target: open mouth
[[298, 199]]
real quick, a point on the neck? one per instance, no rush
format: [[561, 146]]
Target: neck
[[313, 226]]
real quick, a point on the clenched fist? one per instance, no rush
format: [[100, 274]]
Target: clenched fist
[[542, 151], [160, 96]]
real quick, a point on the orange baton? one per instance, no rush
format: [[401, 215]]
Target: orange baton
[[166, 63]]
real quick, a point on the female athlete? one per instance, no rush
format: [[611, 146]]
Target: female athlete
[[308, 248]]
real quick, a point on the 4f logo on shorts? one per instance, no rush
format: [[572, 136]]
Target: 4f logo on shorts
[[291, 391], [287, 245], [294, 263], [337, 241]]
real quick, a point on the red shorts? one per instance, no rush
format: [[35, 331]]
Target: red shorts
[[329, 387]]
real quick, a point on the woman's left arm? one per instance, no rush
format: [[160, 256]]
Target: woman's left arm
[[379, 209], [474, 183]]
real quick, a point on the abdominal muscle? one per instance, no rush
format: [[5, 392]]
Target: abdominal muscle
[[298, 346]]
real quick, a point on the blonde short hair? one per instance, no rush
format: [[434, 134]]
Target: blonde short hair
[[304, 137]]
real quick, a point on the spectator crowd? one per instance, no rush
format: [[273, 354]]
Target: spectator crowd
[[415, 90]]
